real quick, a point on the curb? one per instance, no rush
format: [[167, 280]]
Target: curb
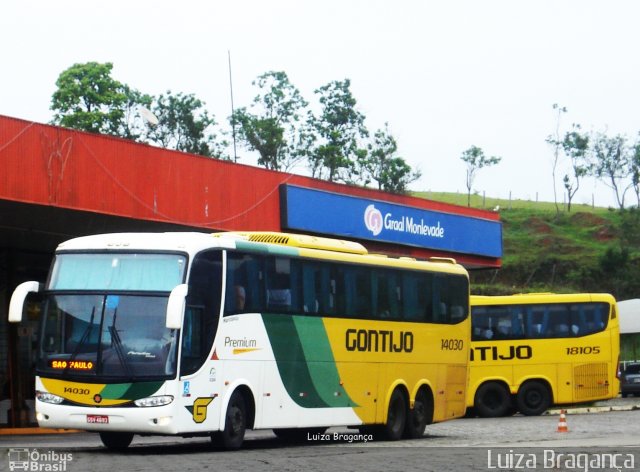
[[592, 409], [35, 430]]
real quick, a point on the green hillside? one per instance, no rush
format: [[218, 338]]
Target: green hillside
[[588, 249]]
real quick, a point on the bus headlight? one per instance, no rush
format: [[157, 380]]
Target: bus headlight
[[154, 401], [47, 397]]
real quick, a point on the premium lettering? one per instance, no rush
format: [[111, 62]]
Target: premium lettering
[[230, 342]]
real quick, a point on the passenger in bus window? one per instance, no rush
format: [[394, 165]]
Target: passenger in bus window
[[561, 330], [457, 314], [240, 297], [504, 329], [279, 295]]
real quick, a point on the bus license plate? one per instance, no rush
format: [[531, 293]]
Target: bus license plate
[[102, 419]]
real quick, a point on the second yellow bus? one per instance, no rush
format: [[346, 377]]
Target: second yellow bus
[[532, 351]]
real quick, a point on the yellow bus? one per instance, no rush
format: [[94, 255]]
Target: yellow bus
[[531, 351], [191, 334]]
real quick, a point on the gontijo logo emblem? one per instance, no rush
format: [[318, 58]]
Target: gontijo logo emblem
[[373, 220]]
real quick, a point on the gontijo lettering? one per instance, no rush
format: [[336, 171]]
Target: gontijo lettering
[[373, 340], [506, 353]]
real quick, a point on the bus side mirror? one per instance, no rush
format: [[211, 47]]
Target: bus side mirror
[[16, 306], [175, 306]]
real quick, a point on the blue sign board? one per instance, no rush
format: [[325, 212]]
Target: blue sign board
[[317, 211]]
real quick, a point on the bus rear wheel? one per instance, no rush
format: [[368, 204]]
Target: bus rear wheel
[[116, 441], [492, 400], [420, 416], [235, 424], [396, 417], [533, 398]]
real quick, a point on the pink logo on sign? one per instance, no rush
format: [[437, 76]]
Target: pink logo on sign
[[373, 220]]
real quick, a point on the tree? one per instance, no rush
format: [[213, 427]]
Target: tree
[[634, 171], [272, 129], [575, 146], [185, 126], [89, 99], [134, 126], [611, 163], [475, 159], [381, 164], [556, 142], [333, 138]]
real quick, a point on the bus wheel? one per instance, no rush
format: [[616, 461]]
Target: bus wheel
[[420, 416], [533, 398], [396, 417], [235, 424], [492, 400], [116, 441]]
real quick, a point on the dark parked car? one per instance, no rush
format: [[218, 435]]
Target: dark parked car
[[630, 380]]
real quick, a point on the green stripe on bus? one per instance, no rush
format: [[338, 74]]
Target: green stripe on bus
[[320, 360], [305, 361], [115, 391], [143, 389], [292, 365], [267, 248], [130, 391]]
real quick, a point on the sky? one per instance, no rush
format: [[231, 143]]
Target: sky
[[445, 75]]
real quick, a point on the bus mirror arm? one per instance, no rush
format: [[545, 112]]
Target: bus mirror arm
[[16, 306], [175, 306]]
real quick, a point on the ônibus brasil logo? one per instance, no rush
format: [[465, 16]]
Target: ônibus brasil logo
[[373, 220]]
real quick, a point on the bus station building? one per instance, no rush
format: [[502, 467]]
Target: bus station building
[[57, 184]]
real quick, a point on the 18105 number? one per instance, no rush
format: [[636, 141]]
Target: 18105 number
[[576, 351]]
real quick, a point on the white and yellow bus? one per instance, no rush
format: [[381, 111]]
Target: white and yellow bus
[[531, 351], [197, 334]]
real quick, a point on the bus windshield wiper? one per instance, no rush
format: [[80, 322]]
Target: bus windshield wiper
[[83, 339], [117, 344]]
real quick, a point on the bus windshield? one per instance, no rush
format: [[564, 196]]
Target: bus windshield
[[104, 316], [117, 271], [107, 336]]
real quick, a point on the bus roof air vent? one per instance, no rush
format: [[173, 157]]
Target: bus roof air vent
[[299, 240], [270, 238]]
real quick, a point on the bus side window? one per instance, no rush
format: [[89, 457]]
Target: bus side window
[[411, 306], [278, 292], [202, 310], [337, 291], [362, 292], [310, 302], [386, 295]]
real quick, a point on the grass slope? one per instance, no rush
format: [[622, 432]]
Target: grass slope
[[588, 249]]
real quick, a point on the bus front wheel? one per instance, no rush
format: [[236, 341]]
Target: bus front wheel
[[492, 400], [235, 424], [116, 441], [533, 398]]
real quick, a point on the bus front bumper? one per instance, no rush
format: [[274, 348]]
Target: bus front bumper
[[149, 420]]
